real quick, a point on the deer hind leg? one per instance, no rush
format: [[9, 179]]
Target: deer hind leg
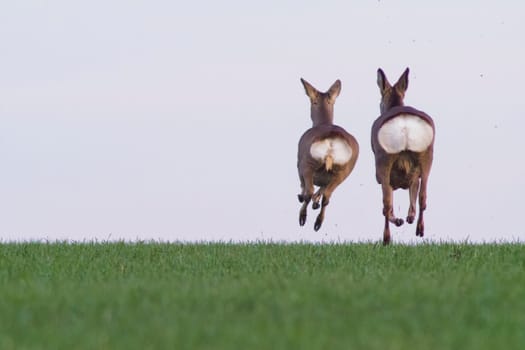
[[414, 187], [302, 211], [300, 196], [388, 212], [327, 193], [307, 184], [388, 205], [420, 228], [386, 232], [320, 218]]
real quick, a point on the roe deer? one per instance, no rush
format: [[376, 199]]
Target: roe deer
[[327, 153], [403, 145]]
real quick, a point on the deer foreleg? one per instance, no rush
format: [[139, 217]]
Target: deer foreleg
[[317, 198]]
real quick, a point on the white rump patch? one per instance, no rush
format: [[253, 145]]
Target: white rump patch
[[405, 132], [340, 151]]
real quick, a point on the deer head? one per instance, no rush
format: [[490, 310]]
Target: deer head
[[322, 103], [391, 96]]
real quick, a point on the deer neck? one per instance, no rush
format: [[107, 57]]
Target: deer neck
[[394, 101], [323, 115]]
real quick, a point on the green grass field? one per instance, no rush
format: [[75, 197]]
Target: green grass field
[[261, 296]]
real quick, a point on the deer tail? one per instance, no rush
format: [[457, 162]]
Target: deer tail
[[405, 163], [328, 162]]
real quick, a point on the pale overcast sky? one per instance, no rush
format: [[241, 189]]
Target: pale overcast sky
[[179, 120]]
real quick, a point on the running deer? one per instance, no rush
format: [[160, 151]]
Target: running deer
[[327, 153], [403, 145]]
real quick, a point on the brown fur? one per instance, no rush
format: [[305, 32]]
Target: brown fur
[[324, 174], [407, 169]]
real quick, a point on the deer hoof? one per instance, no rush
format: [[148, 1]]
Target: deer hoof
[[398, 222], [410, 219], [315, 205], [300, 197], [302, 219], [419, 232], [318, 224]]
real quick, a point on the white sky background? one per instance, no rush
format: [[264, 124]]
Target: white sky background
[[180, 120]]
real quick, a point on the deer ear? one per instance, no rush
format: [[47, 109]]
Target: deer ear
[[402, 83], [334, 90], [310, 90], [382, 81]]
